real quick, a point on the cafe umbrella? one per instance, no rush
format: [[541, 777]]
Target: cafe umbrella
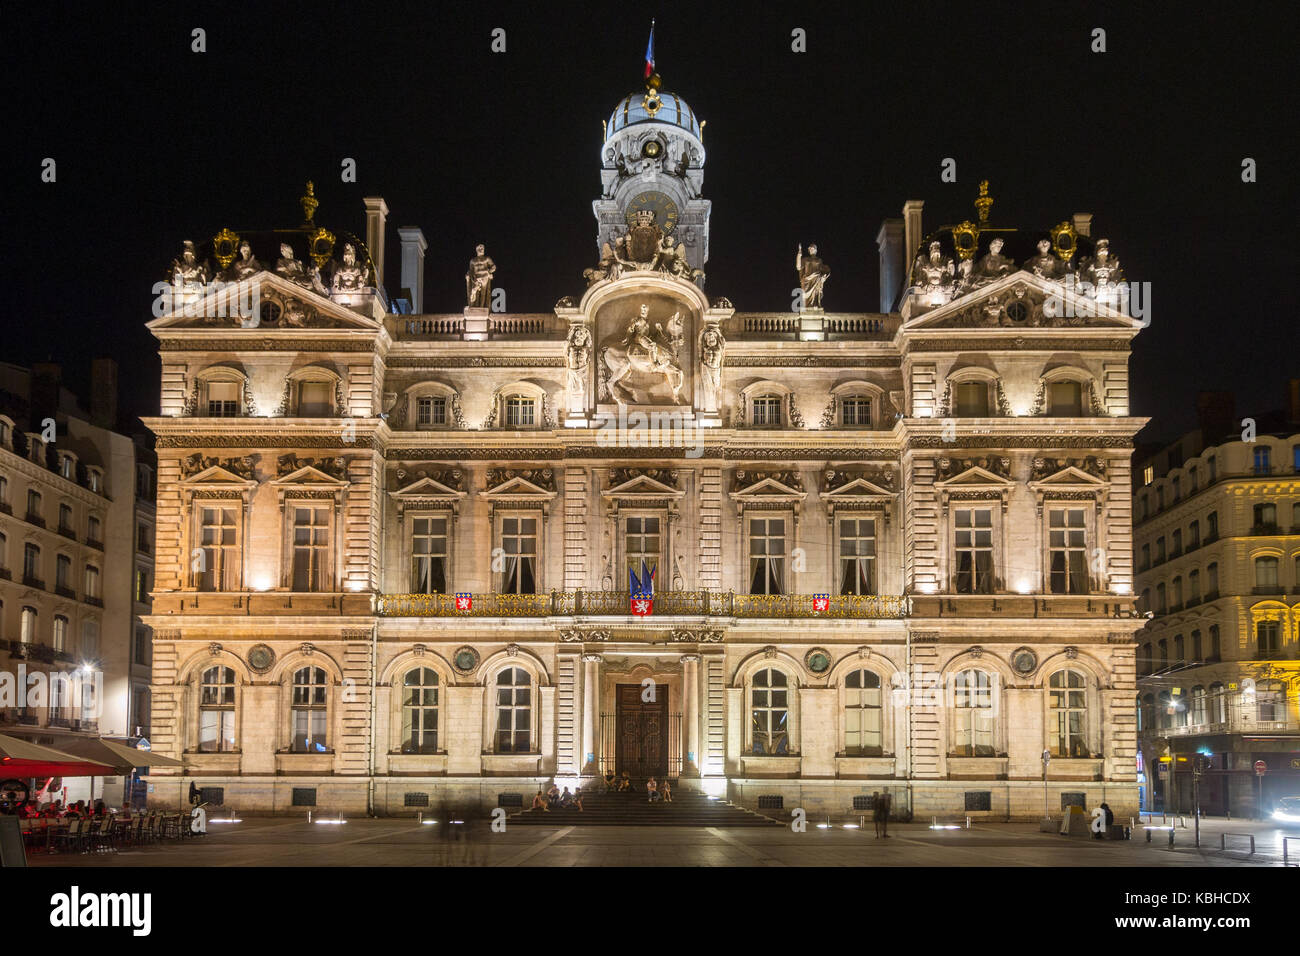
[[22, 758], [120, 757]]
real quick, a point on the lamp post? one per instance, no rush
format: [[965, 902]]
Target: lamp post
[[1047, 758]]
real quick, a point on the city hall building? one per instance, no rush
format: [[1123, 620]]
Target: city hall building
[[792, 557]]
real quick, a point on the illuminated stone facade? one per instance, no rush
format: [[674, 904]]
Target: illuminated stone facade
[[394, 549]]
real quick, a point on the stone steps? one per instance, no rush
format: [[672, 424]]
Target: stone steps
[[688, 809]]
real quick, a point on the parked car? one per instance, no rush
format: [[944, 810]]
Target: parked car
[[1287, 812]]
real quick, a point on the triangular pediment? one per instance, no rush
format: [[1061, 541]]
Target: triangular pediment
[[215, 475], [1039, 303], [427, 488], [309, 475], [769, 488], [219, 307], [1069, 476], [642, 486], [857, 488], [518, 487], [973, 477]]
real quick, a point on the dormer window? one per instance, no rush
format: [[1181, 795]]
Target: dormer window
[[855, 411], [95, 480], [431, 411], [520, 411], [223, 399], [767, 411], [67, 466], [315, 400]]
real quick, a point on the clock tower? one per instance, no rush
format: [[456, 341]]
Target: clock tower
[[652, 158]]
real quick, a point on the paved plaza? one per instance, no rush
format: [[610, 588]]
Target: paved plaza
[[277, 841]]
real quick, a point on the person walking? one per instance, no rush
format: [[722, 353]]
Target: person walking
[[875, 811], [885, 802]]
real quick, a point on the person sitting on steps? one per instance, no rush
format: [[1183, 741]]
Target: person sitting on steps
[[566, 798], [553, 795], [625, 783], [577, 798], [611, 781], [651, 790], [539, 802], [666, 792]]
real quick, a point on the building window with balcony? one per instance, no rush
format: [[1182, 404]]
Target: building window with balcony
[[1212, 526], [857, 556], [60, 632], [514, 711], [1144, 563], [429, 555], [32, 566], [91, 591], [430, 411], [63, 575], [863, 727], [1270, 701], [94, 533], [765, 411], [1178, 488], [1068, 721], [1265, 519], [769, 713], [1180, 650], [1067, 553], [1177, 544], [65, 521], [1178, 593], [1148, 475], [520, 411], [767, 555], [420, 711], [311, 547], [217, 710], [309, 711], [1263, 464], [973, 714], [1162, 605], [27, 626], [222, 399], [1198, 705], [1197, 649], [641, 547], [1215, 650], [1193, 480], [218, 568], [1218, 701], [1194, 587], [973, 550], [1266, 576], [1162, 646], [519, 549], [1193, 535], [1212, 579], [67, 467], [1160, 549], [34, 514], [1268, 636]]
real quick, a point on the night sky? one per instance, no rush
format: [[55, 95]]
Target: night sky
[[156, 144]]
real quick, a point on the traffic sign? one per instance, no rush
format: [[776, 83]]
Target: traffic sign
[[1260, 767]]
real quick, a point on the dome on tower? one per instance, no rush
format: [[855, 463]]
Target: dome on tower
[[643, 107]]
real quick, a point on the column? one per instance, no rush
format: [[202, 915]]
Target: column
[[590, 712], [691, 714]]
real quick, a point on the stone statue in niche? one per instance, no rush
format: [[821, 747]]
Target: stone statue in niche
[[712, 349], [1045, 265], [478, 280], [813, 273], [577, 360], [348, 276], [644, 351], [187, 271]]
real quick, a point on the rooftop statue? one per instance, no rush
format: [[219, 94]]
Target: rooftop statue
[[933, 275], [1102, 270], [813, 273], [609, 267], [188, 271], [291, 268], [1045, 265], [994, 265], [478, 280], [246, 265], [348, 276]]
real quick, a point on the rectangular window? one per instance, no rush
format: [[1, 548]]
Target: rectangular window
[[519, 543], [855, 411], [65, 520], [1145, 562], [973, 714], [1295, 458], [429, 555], [973, 559], [972, 400], [219, 566], [142, 539], [141, 586], [766, 555], [767, 410], [1212, 526], [1178, 488], [1065, 399], [1193, 535], [520, 412], [1160, 549], [1067, 551], [93, 531], [223, 399], [63, 572], [216, 731], [143, 646], [310, 548], [1268, 633], [642, 544], [857, 556], [34, 505], [60, 632], [31, 562], [315, 400], [1148, 474], [1262, 462], [430, 410], [92, 582]]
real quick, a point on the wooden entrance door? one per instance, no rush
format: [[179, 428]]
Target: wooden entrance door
[[641, 740]]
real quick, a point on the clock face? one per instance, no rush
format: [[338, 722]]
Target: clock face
[[665, 210]]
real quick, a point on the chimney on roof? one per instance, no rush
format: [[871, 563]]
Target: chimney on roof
[[1083, 223], [889, 242], [103, 393], [1217, 414], [376, 224], [413, 246], [911, 233], [47, 381]]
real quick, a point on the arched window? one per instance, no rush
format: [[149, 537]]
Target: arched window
[[514, 711], [1218, 704], [1146, 716], [27, 632], [1266, 576], [1198, 705], [217, 710], [1270, 701], [973, 714], [1197, 650], [863, 733], [309, 711], [770, 712], [1180, 650], [1161, 603], [1144, 663], [420, 711], [60, 632], [1068, 704], [1163, 645]]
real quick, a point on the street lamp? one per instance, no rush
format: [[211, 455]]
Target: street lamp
[[1047, 758]]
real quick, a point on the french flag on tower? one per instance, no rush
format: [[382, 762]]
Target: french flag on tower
[[650, 52]]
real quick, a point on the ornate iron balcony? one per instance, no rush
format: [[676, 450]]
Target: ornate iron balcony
[[666, 603]]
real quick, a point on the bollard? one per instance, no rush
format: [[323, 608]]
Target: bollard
[[340, 816], [1148, 835], [1171, 836], [968, 821], [419, 816], [309, 816]]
